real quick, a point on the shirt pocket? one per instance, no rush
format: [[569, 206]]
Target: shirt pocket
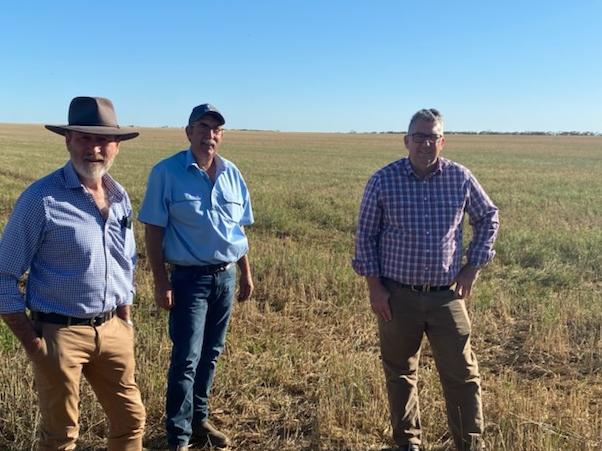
[[449, 212], [401, 214], [124, 221], [231, 205], [187, 211]]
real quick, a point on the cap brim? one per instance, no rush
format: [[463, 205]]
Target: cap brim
[[216, 115], [220, 119], [123, 133]]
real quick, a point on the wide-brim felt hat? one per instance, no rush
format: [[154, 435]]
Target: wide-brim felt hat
[[94, 115]]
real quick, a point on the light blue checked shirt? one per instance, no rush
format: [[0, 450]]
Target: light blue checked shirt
[[79, 264], [203, 221], [410, 229]]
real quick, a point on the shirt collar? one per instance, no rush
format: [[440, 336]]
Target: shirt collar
[[409, 170], [220, 164], [72, 181]]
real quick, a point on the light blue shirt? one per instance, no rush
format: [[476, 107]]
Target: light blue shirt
[[79, 264], [203, 221]]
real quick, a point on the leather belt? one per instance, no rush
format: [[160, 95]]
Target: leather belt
[[55, 318], [205, 270], [425, 288]]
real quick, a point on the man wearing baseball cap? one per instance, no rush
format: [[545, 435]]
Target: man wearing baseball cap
[[195, 208], [72, 230]]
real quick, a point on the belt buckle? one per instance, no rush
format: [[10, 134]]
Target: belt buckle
[[98, 320], [426, 288]]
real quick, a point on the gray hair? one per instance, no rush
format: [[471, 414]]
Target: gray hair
[[427, 115]]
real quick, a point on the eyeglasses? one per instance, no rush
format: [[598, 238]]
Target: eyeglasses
[[419, 138], [88, 138], [204, 128]]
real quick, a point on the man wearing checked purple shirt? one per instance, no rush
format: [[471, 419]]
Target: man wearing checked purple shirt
[[409, 248]]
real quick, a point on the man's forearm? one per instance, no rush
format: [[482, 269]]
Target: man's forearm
[[246, 285], [22, 328], [244, 266], [484, 232], [125, 312], [374, 283], [153, 239]]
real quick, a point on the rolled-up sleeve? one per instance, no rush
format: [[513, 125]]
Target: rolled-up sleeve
[[20, 241], [484, 219], [130, 252], [366, 261]]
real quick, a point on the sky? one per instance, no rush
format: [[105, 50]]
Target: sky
[[308, 65]]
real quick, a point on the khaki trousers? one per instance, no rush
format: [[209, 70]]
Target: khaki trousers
[[444, 319], [105, 356]]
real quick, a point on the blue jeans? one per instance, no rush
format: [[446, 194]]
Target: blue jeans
[[197, 327]]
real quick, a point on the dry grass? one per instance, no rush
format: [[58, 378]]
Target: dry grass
[[301, 369]]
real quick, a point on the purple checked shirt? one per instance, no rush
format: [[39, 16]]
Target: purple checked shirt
[[410, 229]]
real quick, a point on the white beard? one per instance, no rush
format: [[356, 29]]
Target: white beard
[[92, 171]]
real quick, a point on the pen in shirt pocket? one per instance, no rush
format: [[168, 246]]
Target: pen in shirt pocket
[[126, 221]]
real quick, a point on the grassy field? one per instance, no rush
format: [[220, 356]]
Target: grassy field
[[301, 370]]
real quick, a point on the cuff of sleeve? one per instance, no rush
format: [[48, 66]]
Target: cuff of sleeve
[[482, 261], [151, 221], [129, 300], [11, 304], [366, 268]]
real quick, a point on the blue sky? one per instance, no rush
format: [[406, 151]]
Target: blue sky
[[308, 65]]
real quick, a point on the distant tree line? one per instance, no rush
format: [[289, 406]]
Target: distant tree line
[[491, 132]]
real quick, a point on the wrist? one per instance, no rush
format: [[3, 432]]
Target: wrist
[[374, 284], [472, 268], [124, 312]]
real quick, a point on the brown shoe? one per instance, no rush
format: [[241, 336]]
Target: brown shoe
[[409, 447], [207, 435]]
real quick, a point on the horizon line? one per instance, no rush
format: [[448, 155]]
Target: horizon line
[[372, 132]]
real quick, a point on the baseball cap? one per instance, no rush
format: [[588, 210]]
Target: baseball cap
[[206, 108]]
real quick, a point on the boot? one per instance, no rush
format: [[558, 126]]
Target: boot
[[207, 435]]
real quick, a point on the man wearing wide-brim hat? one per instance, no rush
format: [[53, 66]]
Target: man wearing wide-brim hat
[[72, 230]]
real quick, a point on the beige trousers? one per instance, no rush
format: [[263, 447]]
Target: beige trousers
[[105, 356], [444, 320]]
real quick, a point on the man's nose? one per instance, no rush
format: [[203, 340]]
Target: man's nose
[[97, 146]]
